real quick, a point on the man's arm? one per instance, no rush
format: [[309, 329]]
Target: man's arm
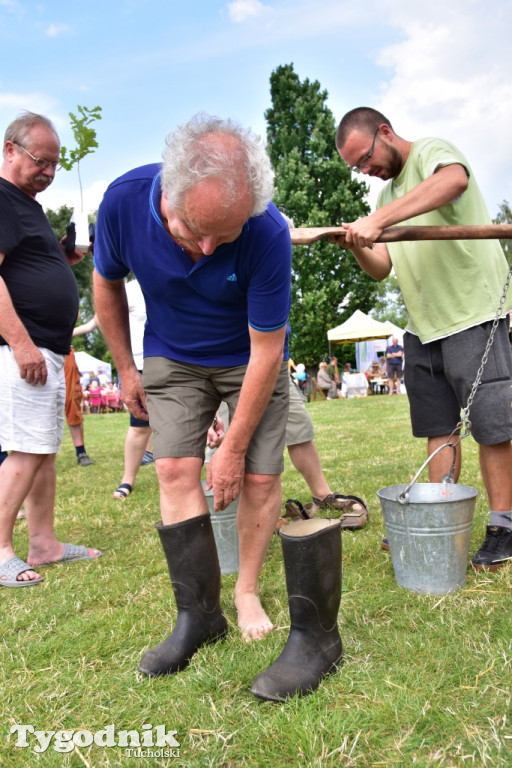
[[31, 363], [444, 186], [112, 313], [227, 465], [375, 261]]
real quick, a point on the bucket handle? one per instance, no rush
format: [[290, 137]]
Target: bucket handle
[[403, 497]]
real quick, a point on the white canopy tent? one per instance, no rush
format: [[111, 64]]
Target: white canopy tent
[[87, 363], [370, 337]]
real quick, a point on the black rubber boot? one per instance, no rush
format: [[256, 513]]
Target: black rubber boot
[[312, 561], [193, 565]]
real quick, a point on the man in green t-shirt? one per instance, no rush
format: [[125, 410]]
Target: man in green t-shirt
[[451, 290]]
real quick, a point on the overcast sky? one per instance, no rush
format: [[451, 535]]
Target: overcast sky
[[434, 68]]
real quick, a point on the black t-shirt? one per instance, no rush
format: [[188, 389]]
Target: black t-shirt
[[40, 282]]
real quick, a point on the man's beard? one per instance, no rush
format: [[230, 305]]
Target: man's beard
[[395, 163]]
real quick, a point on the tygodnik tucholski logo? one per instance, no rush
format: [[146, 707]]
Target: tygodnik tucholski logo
[[150, 741]]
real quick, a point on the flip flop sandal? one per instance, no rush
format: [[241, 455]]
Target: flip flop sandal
[[124, 489], [11, 569], [72, 553]]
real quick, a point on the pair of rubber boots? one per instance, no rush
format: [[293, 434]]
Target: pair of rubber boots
[[312, 559]]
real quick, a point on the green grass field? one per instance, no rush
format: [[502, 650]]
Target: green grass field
[[426, 680]]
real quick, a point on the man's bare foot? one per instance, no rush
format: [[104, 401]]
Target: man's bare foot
[[61, 553], [252, 619], [27, 575]]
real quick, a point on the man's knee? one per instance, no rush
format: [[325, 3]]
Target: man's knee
[[184, 472], [262, 484]]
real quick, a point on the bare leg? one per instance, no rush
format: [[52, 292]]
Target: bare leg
[[134, 447], [17, 474], [305, 459], [181, 494], [182, 497], [258, 512], [44, 546], [441, 464], [496, 466], [390, 386], [77, 434]]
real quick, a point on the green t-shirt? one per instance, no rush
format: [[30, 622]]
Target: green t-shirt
[[447, 285]]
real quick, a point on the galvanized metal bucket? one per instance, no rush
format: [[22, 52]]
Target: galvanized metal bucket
[[226, 534], [428, 526]]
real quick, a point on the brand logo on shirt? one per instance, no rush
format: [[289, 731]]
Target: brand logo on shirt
[[233, 278]]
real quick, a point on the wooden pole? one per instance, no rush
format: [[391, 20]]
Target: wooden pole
[[308, 235]]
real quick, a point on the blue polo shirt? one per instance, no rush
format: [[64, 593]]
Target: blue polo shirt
[[196, 312]]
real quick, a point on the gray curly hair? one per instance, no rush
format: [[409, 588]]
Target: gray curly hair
[[193, 155]]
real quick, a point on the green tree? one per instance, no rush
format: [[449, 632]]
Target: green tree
[[389, 303], [505, 217], [314, 187], [85, 138], [94, 343]]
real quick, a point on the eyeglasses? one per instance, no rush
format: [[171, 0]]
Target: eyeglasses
[[39, 161], [357, 168]]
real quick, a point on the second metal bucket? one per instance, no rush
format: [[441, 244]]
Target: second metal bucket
[[429, 532], [226, 534]]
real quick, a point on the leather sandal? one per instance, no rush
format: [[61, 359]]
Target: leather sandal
[[295, 510], [352, 519]]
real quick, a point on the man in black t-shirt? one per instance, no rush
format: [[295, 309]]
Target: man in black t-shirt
[[38, 310]]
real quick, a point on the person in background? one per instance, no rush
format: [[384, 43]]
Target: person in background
[[137, 444], [38, 309], [332, 370], [300, 441], [94, 391], [394, 356], [324, 382], [73, 409], [451, 290]]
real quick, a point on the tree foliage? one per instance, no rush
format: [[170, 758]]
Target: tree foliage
[[94, 343], [85, 138], [389, 303], [314, 187]]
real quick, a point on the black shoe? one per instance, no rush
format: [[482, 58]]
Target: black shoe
[[495, 551], [84, 461], [384, 544]]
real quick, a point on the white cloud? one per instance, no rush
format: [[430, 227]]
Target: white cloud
[[11, 104], [241, 10], [54, 30], [449, 76]]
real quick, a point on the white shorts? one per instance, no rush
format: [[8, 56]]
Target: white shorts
[[32, 417]]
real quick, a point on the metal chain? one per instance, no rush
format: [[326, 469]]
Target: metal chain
[[465, 422]]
